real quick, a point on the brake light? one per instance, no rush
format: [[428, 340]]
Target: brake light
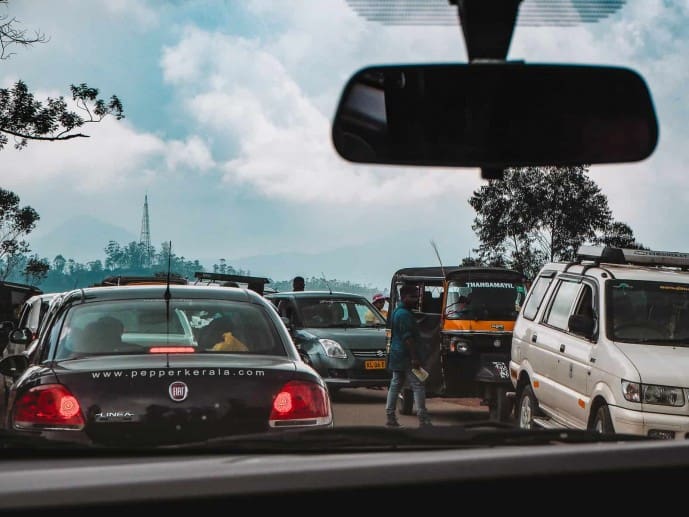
[[300, 403], [171, 350], [51, 406]]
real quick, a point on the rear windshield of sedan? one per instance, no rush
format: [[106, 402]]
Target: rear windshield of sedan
[[149, 326]]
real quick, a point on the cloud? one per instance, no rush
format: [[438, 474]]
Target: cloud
[[282, 140]]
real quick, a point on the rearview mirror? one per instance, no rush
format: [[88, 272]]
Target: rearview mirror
[[495, 115]]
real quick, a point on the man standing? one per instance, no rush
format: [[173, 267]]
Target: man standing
[[298, 283], [406, 354]]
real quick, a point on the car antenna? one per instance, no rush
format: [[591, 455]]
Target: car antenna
[[167, 297], [437, 254], [326, 283]]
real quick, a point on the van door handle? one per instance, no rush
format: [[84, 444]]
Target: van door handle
[[562, 348], [533, 338]]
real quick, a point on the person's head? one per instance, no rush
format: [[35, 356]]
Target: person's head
[[298, 283], [409, 294], [378, 301]]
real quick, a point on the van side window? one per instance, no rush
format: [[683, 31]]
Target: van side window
[[585, 305], [536, 295], [558, 315]]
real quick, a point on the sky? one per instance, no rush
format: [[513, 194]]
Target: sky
[[228, 109]]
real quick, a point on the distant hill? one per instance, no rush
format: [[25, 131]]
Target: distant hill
[[81, 238], [370, 264]]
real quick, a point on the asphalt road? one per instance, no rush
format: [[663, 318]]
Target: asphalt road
[[364, 406]]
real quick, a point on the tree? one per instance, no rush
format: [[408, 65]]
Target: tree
[[11, 35], [540, 214], [36, 269], [24, 118], [619, 235], [15, 222]]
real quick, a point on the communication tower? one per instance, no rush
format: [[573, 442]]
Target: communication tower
[[145, 239]]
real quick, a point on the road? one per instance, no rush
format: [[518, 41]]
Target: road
[[363, 406]]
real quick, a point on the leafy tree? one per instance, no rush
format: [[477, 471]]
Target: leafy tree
[[540, 214], [15, 223], [470, 262], [619, 235], [24, 118], [59, 263], [36, 269]]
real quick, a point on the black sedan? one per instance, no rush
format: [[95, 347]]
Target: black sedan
[[157, 365]]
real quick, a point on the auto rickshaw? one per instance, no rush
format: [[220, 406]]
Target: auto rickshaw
[[465, 316]]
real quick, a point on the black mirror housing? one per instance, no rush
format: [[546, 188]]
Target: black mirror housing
[[495, 115]]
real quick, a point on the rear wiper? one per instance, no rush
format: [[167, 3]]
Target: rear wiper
[[378, 438]]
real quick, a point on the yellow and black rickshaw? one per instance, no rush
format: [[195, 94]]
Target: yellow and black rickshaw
[[466, 316]]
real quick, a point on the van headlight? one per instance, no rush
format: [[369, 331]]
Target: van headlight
[[333, 348], [653, 394]]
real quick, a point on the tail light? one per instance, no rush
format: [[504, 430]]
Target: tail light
[[51, 406], [301, 404]]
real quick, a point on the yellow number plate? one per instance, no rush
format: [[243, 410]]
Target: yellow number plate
[[374, 365]]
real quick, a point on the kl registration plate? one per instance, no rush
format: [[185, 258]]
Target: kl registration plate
[[375, 365]]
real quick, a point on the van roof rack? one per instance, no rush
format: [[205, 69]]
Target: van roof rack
[[611, 255]]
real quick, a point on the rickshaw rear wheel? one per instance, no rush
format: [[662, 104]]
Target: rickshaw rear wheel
[[500, 406], [405, 402]]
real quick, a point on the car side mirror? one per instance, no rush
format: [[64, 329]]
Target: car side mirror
[[21, 336], [14, 365], [582, 325]]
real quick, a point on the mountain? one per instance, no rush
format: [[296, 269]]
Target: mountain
[[82, 238], [370, 264]]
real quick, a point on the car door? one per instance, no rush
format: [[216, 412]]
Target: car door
[[526, 350], [551, 339], [575, 362]]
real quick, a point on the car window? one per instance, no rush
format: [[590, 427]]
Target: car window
[[536, 296], [112, 328], [561, 306]]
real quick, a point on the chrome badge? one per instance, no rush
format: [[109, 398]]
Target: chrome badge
[[497, 326], [178, 391]]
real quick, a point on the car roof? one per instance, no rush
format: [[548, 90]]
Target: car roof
[[314, 294], [153, 291], [625, 271]]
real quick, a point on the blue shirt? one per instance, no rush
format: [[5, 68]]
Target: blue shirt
[[403, 326]]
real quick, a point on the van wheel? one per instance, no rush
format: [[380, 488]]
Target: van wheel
[[602, 422], [527, 408], [405, 402]]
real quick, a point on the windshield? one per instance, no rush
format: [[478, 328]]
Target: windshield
[[648, 312], [150, 326], [331, 312], [177, 141], [484, 300]]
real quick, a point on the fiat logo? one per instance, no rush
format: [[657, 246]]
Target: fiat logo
[[178, 391]]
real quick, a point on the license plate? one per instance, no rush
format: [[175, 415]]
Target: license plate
[[374, 365]]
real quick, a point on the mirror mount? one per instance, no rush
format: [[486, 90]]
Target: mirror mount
[[490, 173], [487, 26]]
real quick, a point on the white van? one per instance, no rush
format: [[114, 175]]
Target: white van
[[602, 343]]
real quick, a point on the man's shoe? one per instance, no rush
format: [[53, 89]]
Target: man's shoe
[[392, 422], [425, 423]]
